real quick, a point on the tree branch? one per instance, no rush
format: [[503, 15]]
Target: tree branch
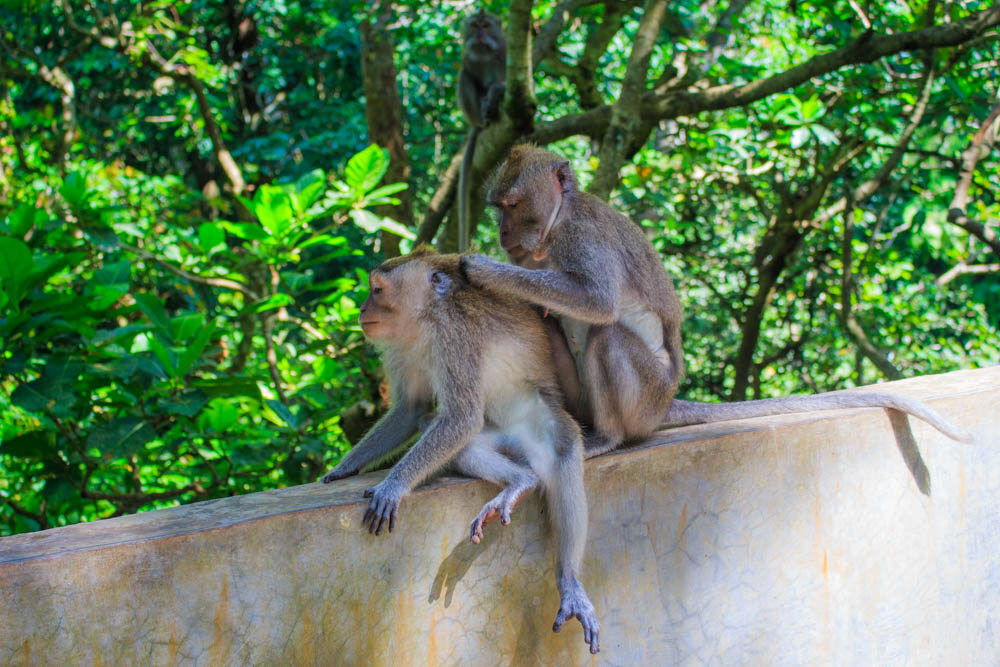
[[847, 318], [867, 48], [872, 185], [625, 123], [962, 268], [442, 199], [519, 99], [960, 200], [224, 283]]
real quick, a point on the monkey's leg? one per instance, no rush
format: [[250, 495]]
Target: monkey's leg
[[628, 386], [568, 513], [566, 372], [481, 459]]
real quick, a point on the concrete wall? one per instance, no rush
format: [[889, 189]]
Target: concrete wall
[[826, 538]]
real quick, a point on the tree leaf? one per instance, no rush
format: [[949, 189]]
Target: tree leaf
[[121, 436], [38, 444], [114, 274], [800, 136], [151, 306], [74, 189], [273, 207], [366, 169], [372, 223], [248, 231], [210, 237], [284, 413], [15, 264], [274, 301], [194, 349], [230, 386], [188, 403]]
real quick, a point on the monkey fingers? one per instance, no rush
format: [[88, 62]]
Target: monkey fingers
[[477, 267], [337, 473], [381, 511]]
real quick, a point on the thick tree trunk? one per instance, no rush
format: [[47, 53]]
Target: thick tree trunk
[[384, 112]]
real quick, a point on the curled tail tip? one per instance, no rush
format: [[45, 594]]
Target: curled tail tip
[[963, 436]]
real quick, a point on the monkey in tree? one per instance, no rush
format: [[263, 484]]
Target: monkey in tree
[[480, 89], [620, 317], [483, 361]]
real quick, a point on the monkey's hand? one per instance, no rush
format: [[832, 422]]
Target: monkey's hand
[[340, 471], [385, 502], [576, 603]]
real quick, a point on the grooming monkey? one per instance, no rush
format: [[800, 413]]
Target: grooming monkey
[[484, 362], [480, 88], [621, 362]]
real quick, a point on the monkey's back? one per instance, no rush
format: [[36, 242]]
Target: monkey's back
[[594, 223]]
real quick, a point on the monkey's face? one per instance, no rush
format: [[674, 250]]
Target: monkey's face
[[528, 198], [482, 33], [400, 291], [389, 306]]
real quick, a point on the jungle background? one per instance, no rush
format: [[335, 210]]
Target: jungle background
[[192, 193]]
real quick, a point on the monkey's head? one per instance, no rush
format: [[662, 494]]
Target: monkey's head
[[403, 289], [482, 34], [527, 191]]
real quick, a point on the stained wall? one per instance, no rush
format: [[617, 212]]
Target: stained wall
[[844, 537]]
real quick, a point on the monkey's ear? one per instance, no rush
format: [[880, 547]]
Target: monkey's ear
[[562, 174], [440, 282]]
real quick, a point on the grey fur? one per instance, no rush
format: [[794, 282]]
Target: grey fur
[[595, 268]]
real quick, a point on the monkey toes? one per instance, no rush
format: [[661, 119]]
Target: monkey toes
[[575, 603], [498, 508]]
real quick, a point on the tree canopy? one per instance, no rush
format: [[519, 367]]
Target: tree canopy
[[191, 194]]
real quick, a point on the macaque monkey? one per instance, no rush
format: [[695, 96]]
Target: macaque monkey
[[603, 281], [480, 88], [483, 361]]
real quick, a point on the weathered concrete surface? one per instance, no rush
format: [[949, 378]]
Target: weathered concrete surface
[[780, 541]]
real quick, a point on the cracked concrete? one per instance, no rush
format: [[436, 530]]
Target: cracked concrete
[[831, 537]]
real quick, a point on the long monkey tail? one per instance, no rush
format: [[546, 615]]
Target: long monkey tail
[[681, 413], [465, 191]]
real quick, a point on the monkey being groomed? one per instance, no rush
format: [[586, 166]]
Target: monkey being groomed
[[483, 361], [618, 341]]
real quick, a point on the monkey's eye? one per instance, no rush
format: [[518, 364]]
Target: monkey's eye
[[376, 290]]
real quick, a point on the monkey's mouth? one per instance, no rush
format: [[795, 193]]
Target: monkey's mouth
[[516, 252], [367, 324]]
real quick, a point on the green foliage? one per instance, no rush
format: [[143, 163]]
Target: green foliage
[[128, 386]]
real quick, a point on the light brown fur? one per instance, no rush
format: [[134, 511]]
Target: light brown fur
[[482, 362]]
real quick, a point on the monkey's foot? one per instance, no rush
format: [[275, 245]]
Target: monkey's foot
[[498, 508], [595, 444], [575, 603]]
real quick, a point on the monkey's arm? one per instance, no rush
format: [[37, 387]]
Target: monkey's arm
[[585, 298], [460, 417], [388, 433]]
